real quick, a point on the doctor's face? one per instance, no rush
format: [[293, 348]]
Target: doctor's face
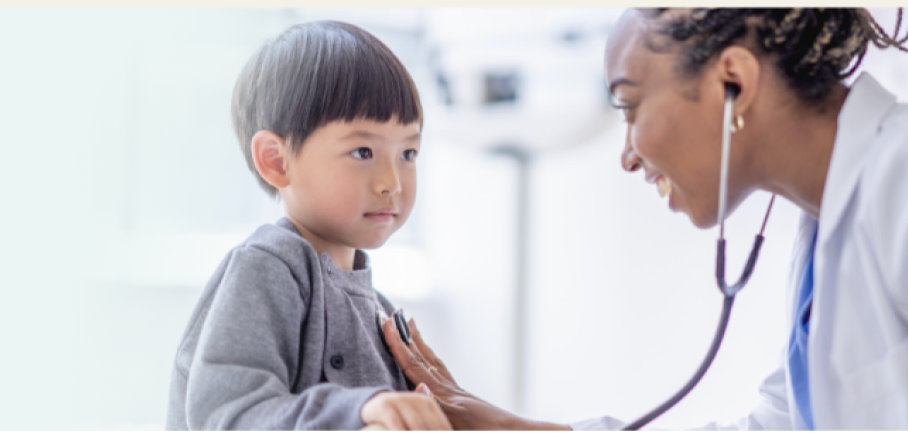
[[674, 122]]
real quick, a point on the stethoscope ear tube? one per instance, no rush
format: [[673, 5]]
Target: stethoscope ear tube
[[728, 292], [748, 268]]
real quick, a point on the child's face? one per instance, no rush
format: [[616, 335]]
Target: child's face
[[353, 183]]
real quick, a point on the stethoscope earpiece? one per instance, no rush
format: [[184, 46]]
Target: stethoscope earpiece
[[732, 90]]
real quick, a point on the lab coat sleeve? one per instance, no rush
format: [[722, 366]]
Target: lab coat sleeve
[[248, 353], [770, 414]]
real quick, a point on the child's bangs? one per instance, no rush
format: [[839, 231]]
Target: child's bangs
[[377, 87], [358, 77]]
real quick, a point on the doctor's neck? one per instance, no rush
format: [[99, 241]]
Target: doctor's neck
[[794, 149]]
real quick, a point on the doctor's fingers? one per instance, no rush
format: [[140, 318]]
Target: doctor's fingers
[[429, 354], [412, 362]]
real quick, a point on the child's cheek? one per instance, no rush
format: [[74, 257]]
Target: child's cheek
[[408, 194], [339, 200]]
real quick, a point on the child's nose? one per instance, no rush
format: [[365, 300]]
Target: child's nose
[[387, 182]]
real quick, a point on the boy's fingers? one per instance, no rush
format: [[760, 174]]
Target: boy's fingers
[[428, 353], [423, 389], [433, 418], [391, 420], [413, 417], [440, 420]]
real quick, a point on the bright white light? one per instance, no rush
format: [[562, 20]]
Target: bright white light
[[401, 272], [163, 259]]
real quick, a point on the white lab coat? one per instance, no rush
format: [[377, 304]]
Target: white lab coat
[[858, 339]]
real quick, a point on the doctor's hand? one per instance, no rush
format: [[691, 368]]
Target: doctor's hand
[[464, 410]]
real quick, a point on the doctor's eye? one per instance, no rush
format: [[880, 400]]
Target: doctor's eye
[[361, 153], [409, 155], [625, 111]]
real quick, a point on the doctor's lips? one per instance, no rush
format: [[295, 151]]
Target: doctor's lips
[[382, 215]]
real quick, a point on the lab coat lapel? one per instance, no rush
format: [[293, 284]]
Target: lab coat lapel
[[858, 122]]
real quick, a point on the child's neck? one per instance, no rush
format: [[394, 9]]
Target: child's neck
[[342, 255]]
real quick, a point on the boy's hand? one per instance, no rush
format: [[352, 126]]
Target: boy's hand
[[405, 411]]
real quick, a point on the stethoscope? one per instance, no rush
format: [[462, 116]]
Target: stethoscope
[[729, 292], [402, 328]]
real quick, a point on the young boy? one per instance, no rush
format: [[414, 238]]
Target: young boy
[[284, 335]]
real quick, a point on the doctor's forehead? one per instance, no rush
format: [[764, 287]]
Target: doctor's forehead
[[625, 44]]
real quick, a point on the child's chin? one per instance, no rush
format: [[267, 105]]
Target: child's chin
[[372, 244]]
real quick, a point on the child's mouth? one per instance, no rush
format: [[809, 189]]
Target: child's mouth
[[384, 215]]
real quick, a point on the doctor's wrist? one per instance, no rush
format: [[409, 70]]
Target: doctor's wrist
[[518, 423]]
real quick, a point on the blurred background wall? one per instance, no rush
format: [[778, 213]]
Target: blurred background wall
[[122, 187]]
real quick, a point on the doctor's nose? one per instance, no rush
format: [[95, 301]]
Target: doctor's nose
[[629, 159], [387, 182]]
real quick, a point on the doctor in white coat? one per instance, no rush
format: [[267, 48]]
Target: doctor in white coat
[[839, 153]]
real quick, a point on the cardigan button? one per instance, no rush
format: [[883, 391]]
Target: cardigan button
[[337, 362]]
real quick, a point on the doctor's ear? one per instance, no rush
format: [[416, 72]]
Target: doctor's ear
[[739, 71], [271, 156]]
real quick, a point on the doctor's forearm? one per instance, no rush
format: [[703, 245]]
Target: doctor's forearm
[[518, 423]]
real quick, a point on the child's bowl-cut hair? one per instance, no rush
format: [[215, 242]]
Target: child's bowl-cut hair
[[316, 73]]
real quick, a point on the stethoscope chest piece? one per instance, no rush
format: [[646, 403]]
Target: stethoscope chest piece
[[402, 328]]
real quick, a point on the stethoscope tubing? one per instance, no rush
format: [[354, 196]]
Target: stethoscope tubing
[[713, 350], [728, 292]]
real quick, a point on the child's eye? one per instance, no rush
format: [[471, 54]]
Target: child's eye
[[361, 153], [408, 155]]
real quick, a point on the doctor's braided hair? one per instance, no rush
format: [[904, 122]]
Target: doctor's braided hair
[[814, 48]]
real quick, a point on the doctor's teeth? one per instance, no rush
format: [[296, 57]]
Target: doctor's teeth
[[664, 185]]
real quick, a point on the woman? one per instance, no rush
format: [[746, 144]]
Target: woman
[[839, 153]]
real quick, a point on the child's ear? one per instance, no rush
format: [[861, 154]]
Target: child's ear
[[270, 156]]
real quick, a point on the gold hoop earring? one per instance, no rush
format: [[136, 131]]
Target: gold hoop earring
[[738, 124]]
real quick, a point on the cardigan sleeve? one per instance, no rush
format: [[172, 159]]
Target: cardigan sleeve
[[248, 354]]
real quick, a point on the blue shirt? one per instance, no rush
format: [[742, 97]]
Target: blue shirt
[[797, 348]]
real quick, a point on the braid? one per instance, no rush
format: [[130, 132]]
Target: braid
[[720, 36], [813, 48], [780, 34], [879, 37], [809, 62]]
